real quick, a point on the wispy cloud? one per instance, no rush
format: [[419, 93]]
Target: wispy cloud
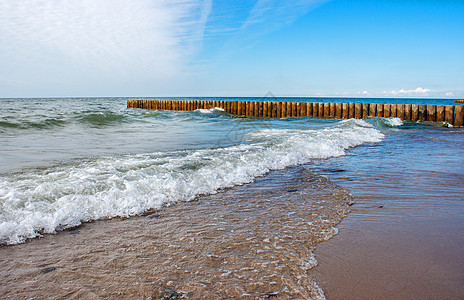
[[58, 41], [273, 14], [418, 92]]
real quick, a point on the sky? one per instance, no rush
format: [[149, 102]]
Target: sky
[[293, 48]]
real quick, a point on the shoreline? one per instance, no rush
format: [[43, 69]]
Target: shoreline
[[403, 237]]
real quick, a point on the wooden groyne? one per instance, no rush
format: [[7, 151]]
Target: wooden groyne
[[451, 114]]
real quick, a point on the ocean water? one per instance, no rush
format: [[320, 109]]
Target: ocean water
[[256, 186]]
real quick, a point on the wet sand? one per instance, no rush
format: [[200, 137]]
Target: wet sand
[[404, 237]]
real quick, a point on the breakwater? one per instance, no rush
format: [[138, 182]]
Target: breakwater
[[451, 114]]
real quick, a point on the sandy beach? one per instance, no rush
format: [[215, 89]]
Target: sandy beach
[[403, 238]]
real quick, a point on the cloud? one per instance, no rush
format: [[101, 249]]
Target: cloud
[[418, 92], [364, 93], [66, 42], [274, 14]]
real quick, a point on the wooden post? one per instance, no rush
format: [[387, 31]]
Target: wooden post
[[338, 110], [321, 110], [326, 109], [431, 113], [422, 113], [309, 109], [279, 110], [315, 109], [400, 111], [358, 110], [373, 110], [232, 107], [346, 111], [332, 110], [352, 110], [304, 107], [283, 112], [407, 112], [365, 109], [440, 113], [414, 112], [386, 110], [266, 109], [449, 114], [393, 110], [298, 109], [294, 109], [380, 110], [271, 109], [459, 115]]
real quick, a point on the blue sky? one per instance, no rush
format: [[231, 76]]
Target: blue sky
[[339, 48]]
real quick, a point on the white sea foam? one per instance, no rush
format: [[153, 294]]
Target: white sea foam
[[210, 111], [47, 200], [394, 122]]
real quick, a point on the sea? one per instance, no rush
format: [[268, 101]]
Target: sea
[[204, 204]]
